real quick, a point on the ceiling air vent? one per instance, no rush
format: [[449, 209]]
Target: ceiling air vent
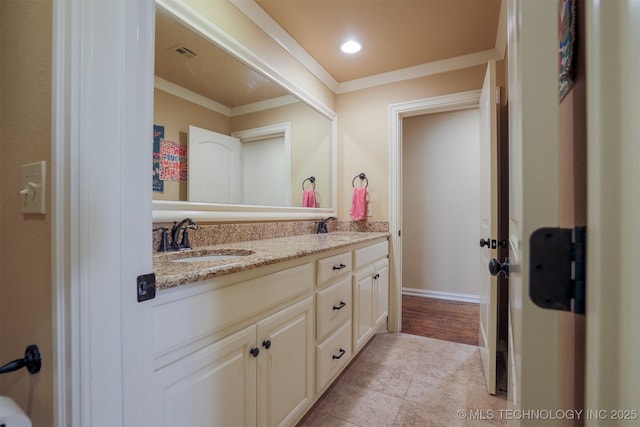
[[186, 52]]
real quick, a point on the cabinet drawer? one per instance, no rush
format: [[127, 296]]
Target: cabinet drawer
[[364, 256], [333, 355], [333, 267], [333, 307]]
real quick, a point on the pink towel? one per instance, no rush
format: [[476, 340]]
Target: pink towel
[[309, 199], [359, 204]]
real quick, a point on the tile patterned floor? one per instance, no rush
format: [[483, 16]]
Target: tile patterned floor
[[407, 380]]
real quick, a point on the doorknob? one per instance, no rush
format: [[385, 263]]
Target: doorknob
[[495, 267], [484, 243]]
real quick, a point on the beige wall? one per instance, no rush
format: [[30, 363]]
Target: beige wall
[[25, 240], [441, 203], [363, 131]]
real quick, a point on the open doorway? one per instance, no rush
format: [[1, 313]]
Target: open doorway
[[400, 230], [441, 207]]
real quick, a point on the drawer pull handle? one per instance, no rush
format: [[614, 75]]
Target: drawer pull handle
[[339, 267], [342, 304], [342, 352], [266, 344], [255, 351]]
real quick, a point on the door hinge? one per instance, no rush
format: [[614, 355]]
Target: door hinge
[[557, 278]]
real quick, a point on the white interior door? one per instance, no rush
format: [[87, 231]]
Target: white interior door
[[533, 199], [266, 173], [215, 168], [488, 225]]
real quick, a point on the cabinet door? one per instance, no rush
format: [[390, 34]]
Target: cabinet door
[[363, 309], [215, 386], [382, 291], [285, 368]]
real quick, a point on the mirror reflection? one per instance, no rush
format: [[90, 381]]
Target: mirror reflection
[[225, 134]]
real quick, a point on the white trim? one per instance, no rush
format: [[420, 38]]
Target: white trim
[[262, 19], [102, 93], [449, 296], [65, 372], [175, 90], [168, 211], [267, 104], [501, 35], [613, 104], [422, 70], [453, 102], [183, 93]]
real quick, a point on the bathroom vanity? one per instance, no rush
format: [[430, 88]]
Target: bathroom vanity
[[255, 339]]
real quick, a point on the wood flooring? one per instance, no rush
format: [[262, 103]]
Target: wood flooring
[[441, 319]]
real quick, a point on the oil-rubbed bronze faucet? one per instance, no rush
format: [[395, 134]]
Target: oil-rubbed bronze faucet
[[175, 234], [322, 225]]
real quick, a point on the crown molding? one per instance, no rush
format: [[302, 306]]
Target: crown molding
[[422, 70], [501, 35], [262, 19], [175, 90], [264, 105]]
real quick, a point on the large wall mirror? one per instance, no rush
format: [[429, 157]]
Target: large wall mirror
[[229, 143]]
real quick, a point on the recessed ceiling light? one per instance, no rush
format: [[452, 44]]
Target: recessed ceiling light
[[351, 46]]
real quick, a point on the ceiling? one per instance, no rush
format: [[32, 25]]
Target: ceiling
[[205, 69], [395, 34]]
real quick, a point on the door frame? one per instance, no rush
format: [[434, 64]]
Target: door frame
[[613, 102], [102, 114], [265, 132], [438, 104]]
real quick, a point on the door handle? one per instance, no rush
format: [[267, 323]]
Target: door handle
[[495, 267], [484, 243]]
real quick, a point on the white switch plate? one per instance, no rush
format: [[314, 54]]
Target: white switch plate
[[34, 187]]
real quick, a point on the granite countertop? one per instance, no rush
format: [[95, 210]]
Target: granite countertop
[[262, 252]]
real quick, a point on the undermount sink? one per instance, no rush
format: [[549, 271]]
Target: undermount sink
[[208, 255]]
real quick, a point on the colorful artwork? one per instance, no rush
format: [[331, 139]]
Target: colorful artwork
[[173, 161], [566, 30], [158, 135]]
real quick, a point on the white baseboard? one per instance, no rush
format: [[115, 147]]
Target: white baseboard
[[450, 296]]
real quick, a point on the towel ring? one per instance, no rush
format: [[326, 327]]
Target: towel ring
[[362, 177], [312, 180]]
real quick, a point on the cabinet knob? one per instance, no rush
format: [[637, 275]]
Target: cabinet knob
[[339, 267], [338, 307], [255, 351], [266, 344]]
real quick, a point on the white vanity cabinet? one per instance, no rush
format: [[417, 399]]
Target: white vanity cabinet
[[370, 291], [262, 374], [260, 346]]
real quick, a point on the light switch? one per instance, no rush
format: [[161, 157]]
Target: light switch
[[33, 187]]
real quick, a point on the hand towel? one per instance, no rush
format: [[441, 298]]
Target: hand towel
[[309, 199], [359, 204]]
